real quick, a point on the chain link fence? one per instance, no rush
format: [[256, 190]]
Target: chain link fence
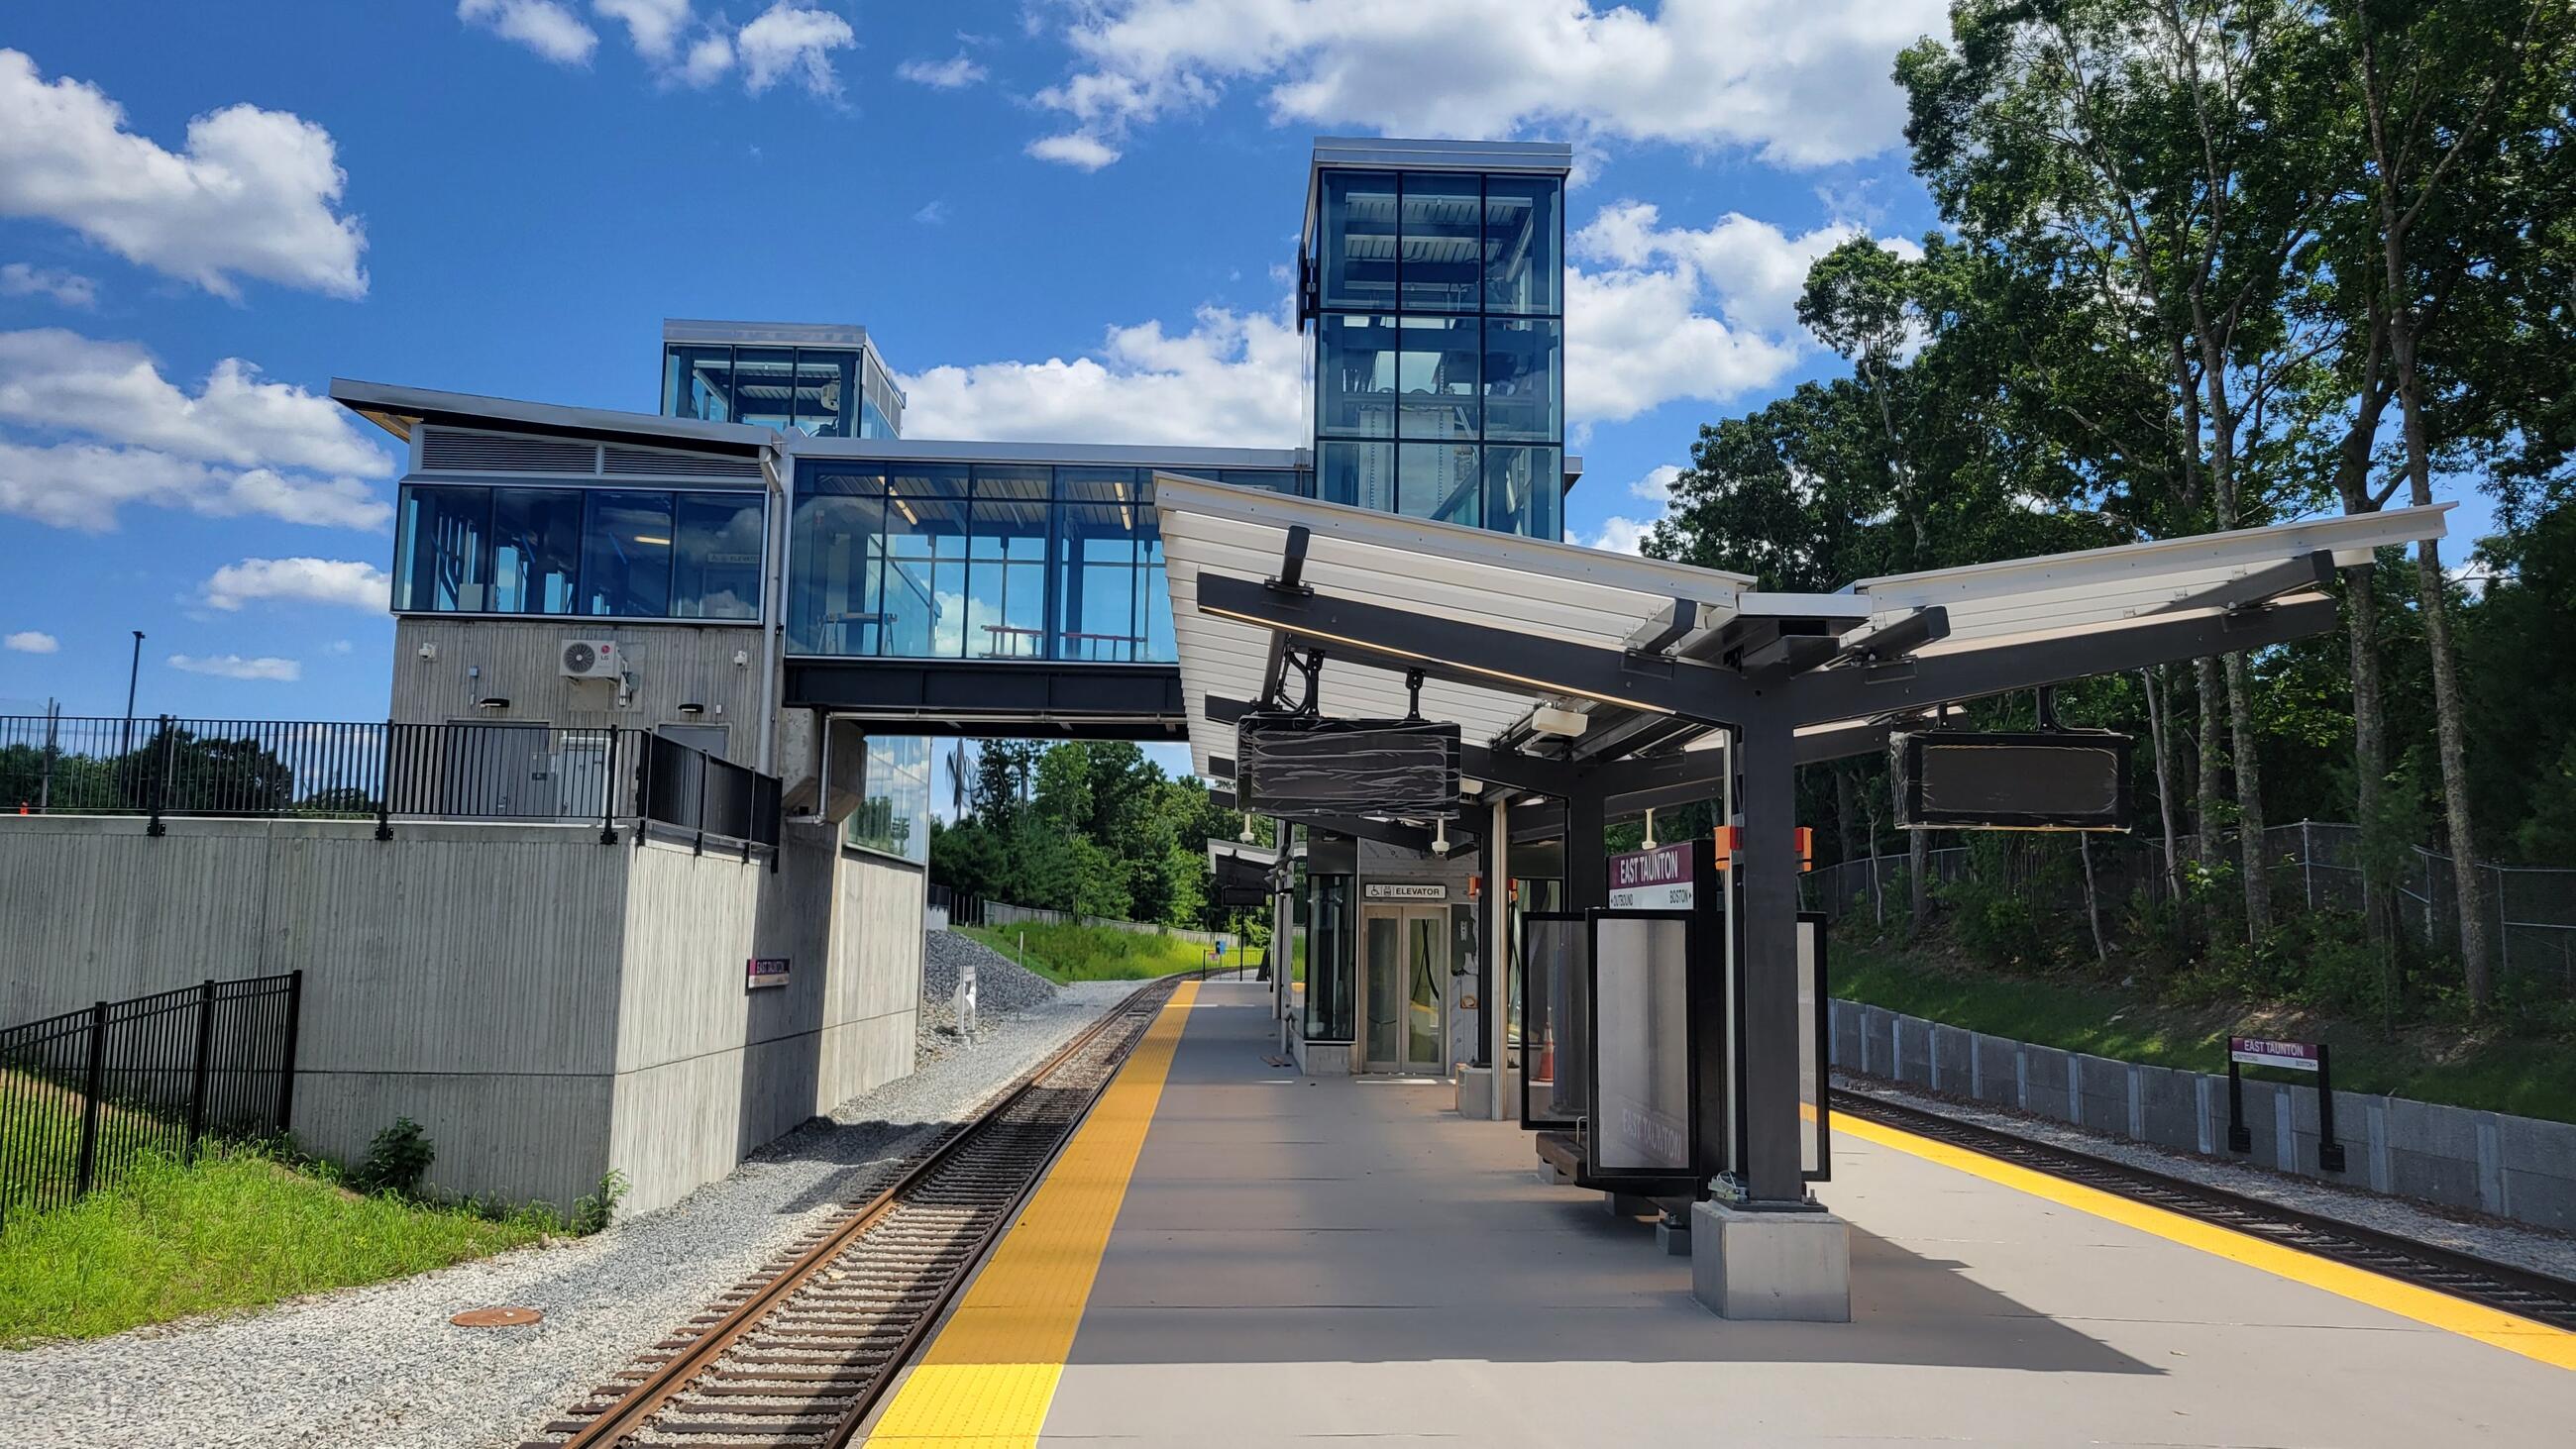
[[2315, 865]]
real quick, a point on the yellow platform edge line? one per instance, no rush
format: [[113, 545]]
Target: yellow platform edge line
[[990, 1374], [2515, 1334]]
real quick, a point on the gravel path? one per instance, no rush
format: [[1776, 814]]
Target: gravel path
[[2504, 1242], [380, 1367]]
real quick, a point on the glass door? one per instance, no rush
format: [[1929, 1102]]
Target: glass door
[[1426, 975]]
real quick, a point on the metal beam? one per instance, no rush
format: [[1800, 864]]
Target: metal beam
[[1898, 638], [1834, 695], [1668, 626], [1475, 654], [2307, 571]]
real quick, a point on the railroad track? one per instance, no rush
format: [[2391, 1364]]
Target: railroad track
[[2503, 1286], [800, 1353]]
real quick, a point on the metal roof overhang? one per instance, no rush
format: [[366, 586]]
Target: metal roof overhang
[[1467, 577], [1502, 624], [398, 410]]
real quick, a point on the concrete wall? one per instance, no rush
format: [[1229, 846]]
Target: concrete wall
[[520, 661], [2510, 1167], [546, 1006]]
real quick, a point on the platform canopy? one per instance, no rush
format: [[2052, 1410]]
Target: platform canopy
[[1515, 634]]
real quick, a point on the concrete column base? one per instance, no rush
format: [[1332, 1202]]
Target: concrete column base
[[1673, 1236], [1548, 1176], [1777, 1265], [1476, 1093]]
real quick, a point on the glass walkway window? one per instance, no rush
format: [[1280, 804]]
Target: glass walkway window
[[894, 799], [1440, 345], [996, 561], [823, 392], [605, 552]]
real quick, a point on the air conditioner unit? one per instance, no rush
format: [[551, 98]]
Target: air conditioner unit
[[590, 659]]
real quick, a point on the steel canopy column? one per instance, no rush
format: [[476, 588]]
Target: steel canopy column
[[1493, 989], [1587, 855], [1282, 957], [1767, 891]]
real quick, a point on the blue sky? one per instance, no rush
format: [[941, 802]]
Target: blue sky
[[1060, 220]]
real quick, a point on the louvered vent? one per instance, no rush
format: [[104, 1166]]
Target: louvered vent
[[633, 461], [490, 453]]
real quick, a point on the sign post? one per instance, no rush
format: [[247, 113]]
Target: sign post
[[2296, 1056]]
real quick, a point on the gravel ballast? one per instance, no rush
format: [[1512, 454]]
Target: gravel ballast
[[1002, 988], [2492, 1238], [381, 1366]]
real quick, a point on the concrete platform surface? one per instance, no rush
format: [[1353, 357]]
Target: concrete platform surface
[[1296, 1260]]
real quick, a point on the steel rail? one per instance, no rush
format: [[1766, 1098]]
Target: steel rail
[[842, 1250], [2506, 1287]]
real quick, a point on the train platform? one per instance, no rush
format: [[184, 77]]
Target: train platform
[[1231, 1253]]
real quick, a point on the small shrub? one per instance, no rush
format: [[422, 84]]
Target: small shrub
[[593, 1213], [397, 1160]]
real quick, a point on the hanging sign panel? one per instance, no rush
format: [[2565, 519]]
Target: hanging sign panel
[[1553, 1018], [1652, 880], [2042, 780], [1299, 766]]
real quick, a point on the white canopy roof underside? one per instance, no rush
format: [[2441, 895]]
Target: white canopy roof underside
[[1595, 597]]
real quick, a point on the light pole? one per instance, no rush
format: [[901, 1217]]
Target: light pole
[[132, 674]]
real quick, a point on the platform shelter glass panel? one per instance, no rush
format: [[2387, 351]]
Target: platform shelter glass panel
[[1641, 1117], [1331, 942]]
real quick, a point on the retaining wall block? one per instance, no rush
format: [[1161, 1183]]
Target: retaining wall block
[[1844, 1037], [1994, 1081], [1913, 1050], [1956, 1049], [2044, 1070], [2433, 1152], [1876, 1056], [2102, 1095], [2169, 1107], [2539, 1168]]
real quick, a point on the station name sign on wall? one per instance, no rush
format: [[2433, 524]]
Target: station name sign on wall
[[762, 971], [1652, 880]]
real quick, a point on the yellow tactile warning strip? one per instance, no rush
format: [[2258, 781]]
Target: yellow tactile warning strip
[[2439, 1310], [991, 1372]]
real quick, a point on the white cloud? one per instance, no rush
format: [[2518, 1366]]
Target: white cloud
[[71, 289], [1795, 82], [340, 646], [1232, 379], [955, 73], [789, 41], [547, 27], [709, 58], [932, 213], [31, 642], [1074, 148], [234, 666], [52, 378], [251, 196], [345, 582], [114, 431], [652, 26], [1622, 534]]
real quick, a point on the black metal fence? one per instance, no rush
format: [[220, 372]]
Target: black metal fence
[[84, 1094], [701, 795]]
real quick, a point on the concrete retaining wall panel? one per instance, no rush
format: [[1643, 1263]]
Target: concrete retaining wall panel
[[1996, 1080], [2102, 1099], [2538, 1163], [2044, 1082], [514, 1139], [2169, 1107], [1913, 1049], [1954, 1052], [1844, 1018]]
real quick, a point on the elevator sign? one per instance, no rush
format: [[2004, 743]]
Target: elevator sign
[[1652, 880]]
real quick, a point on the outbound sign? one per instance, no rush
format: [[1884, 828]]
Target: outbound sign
[[2254, 1051], [1652, 880], [763, 971]]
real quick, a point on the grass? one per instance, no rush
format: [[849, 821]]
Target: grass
[[2529, 1077], [236, 1229], [1065, 952]]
